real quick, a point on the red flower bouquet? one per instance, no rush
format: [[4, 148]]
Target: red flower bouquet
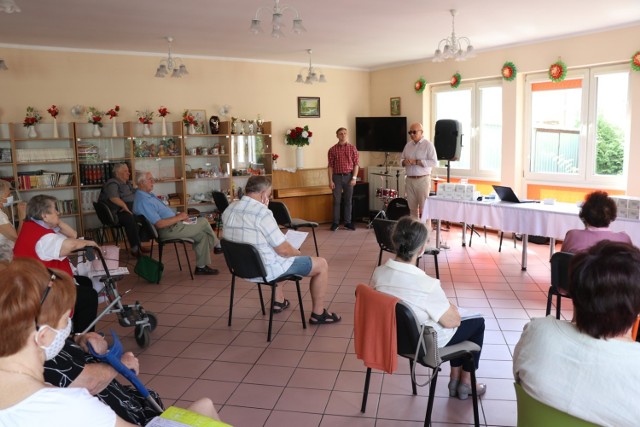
[[53, 110], [94, 116], [145, 117], [162, 111], [299, 136], [32, 118], [113, 112]]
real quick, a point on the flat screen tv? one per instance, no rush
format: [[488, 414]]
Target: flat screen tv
[[387, 134]]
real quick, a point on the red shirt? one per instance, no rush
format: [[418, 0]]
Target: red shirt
[[343, 158], [25, 246]]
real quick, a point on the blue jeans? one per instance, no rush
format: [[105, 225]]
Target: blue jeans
[[301, 266]]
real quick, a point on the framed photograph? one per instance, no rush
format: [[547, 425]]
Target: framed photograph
[[394, 106], [203, 122], [308, 106]]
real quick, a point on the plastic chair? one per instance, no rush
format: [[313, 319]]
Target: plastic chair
[[408, 337], [559, 280], [383, 229], [244, 261], [109, 222], [533, 413], [397, 208], [152, 232], [222, 203], [283, 218]]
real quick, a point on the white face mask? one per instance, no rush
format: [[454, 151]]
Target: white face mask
[[57, 344]]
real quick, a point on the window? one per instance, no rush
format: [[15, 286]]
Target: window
[[478, 107], [578, 128]]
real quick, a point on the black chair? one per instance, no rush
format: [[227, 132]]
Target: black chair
[[429, 355], [222, 203], [109, 223], [151, 232], [397, 208], [559, 280], [383, 229], [283, 218], [244, 261], [473, 230]]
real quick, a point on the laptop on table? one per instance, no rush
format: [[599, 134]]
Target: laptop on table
[[506, 194]]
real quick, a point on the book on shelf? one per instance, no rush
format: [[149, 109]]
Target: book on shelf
[[43, 179]]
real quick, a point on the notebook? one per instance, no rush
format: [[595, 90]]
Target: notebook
[[506, 194]]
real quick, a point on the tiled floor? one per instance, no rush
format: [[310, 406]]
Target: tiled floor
[[311, 377]]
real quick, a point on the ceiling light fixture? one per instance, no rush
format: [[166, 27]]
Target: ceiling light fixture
[[452, 47], [170, 65], [276, 21], [3, 65], [312, 76], [9, 6]]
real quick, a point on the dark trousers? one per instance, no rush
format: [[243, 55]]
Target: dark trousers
[[86, 308], [130, 228], [469, 330], [342, 185]]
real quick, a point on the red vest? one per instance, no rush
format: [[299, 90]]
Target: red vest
[[25, 246]]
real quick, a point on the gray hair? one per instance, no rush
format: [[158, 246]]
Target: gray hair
[[4, 186], [257, 184], [408, 237], [118, 166], [141, 176], [40, 205]]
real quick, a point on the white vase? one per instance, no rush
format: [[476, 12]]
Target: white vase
[[192, 130], [146, 130], [55, 128], [114, 127], [299, 158], [96, 130], [164, 127]]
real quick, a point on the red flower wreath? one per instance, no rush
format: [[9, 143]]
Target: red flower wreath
[[509, 71], [635, 61], [558, 71], [419, 85], [455, 80]]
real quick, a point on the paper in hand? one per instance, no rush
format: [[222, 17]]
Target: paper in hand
[[296, 238]]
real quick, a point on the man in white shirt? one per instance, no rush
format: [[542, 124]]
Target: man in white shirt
[[418, 157]]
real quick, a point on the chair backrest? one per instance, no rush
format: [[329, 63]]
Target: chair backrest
[[560, 272], [533, 413], [243, 260], [221, 201], [397, 208], [408, 333], [105, 215], [148, 229], [280, 213], [383, 229]]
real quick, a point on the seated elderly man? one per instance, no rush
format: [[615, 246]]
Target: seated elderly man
[[249, 220], [172, 225]]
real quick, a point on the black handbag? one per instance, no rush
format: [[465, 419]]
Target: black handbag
[[149, 269]]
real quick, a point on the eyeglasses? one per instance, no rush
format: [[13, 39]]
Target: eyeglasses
[[49, 285], [413, 132]]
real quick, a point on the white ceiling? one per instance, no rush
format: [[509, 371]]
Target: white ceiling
[[365, 34]]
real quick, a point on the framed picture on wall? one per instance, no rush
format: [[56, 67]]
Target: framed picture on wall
[[201, 117], [308, 106], [394, 106]]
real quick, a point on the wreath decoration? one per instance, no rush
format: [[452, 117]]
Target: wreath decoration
[[419, 85], [509, 71], [558, 71], [635, 61], [455, 80]]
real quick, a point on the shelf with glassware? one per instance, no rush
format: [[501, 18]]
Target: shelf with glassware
[[98, 151], [252, 155], [47, 164], [6, 155], [163, 156]]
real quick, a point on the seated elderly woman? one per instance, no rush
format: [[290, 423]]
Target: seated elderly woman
[[401, 278], [35, 304], [589, 367], [45, 237], [598, 211]]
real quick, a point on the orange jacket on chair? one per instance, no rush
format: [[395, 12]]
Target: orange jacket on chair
[[375, 329]]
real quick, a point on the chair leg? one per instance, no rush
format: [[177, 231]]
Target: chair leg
[[549, 299], [175, 246], [380, 258], [413, 383], [501, 236], [435, 260], [233, 288], [558, 303], [313, 230], [304, 321], [186, 254], [432, 394], [159, 257], [365, 393], [273, 298], [474, 393], [261, 299], [471, 234]]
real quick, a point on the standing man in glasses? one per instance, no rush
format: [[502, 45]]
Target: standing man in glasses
[[343, 172], [418, 157]]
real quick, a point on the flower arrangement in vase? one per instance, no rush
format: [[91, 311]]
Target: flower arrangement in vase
[[163, 112], [190, 121], [146, 118], [275, 158], [113, 113], [94, 117], [53, 110], [299, 136], [31, 119]]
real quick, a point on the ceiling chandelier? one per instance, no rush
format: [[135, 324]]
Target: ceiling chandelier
[[170, 65], [452, 47], [312, 75], [276, 21], [9, 6]]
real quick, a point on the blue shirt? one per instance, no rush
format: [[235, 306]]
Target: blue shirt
[[151, 207]]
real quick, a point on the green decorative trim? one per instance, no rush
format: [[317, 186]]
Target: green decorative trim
[[509, 71], [455, 80], [558, 71], [419, 85], [635, 61]]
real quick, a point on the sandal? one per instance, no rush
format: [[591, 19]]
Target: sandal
[[279, 307], [325, 317]]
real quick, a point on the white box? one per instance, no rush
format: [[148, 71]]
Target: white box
[[633, 203]]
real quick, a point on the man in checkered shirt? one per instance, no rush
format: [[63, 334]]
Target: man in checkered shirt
[[343, 170]]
